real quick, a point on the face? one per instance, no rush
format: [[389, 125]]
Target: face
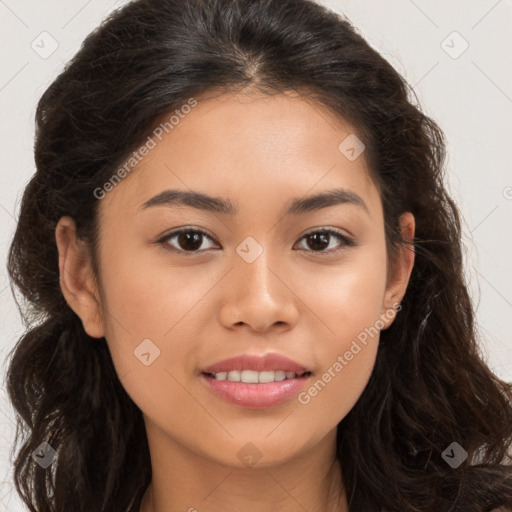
[[261, 270]]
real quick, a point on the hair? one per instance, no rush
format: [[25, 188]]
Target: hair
[[430, 385]]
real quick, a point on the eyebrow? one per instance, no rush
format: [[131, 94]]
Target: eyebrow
[[225, 206]]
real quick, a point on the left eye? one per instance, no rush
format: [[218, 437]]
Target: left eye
[[191, 240], [318, 239]]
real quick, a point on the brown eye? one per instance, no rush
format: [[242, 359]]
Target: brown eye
[[318, 241], [190, 240], [186, 240], [322, 241]]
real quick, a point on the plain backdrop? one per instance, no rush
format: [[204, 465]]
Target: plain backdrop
[[455, 54]]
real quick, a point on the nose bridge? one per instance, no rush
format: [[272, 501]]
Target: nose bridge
[[255, 293], [254, 274]]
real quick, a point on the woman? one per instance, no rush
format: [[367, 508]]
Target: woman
[[245, 279]]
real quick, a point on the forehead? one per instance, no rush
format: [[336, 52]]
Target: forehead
[[246, 144]]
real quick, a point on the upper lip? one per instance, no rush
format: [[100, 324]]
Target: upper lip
[[267, 362]]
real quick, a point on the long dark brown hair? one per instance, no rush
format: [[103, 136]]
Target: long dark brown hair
[[430, 386]]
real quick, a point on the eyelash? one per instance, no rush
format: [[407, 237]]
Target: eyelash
[[346, 242]]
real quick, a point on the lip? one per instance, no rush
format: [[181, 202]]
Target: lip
[[267, 362], [256, 395]]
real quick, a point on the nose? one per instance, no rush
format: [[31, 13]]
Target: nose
[[258, 295]]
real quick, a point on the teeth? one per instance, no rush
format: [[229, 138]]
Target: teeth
[[253, 377], [234, 376], [249, 376], [279, 375]]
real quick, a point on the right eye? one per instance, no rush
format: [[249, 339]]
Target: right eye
[[185, 240]]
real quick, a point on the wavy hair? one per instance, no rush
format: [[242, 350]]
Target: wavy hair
[[430, 385]]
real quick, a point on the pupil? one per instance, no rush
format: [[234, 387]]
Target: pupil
[[320, 240], [190, 240]]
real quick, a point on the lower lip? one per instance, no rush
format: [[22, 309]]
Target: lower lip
[[255, 396]]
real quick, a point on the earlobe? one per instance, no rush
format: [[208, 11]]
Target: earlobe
[[76, 277], [400, 271]]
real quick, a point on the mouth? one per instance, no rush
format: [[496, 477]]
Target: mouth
[[255, 377], [256, 382]]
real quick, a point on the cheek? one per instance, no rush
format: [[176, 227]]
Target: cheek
[[348, 302], [346, 298], [147, 300], [335, 389], [152, 335], [141, 302]]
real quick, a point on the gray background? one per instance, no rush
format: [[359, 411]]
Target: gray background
[[468, 93]]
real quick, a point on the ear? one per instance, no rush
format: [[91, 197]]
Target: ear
[[77, 280], [399, 271]]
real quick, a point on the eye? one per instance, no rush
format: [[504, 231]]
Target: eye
[[186, 240], [192, 240], [321, 241]]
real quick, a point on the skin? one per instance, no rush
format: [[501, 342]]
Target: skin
[[260, 152]]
